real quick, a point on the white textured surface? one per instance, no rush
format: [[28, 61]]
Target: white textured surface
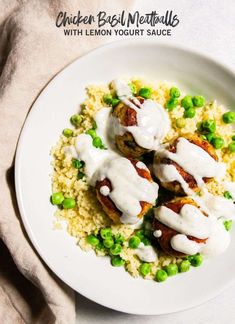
[[209, 27]]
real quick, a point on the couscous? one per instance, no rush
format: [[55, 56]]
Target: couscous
[[152, 243]]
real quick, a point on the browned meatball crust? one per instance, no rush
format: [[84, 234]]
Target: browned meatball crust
[[108, 205], [167, 233], [175, 186], [126, 142]]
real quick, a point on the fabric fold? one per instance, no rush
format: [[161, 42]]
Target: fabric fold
[[32, 51]]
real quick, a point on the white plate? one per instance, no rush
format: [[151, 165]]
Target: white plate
[[91, 276]]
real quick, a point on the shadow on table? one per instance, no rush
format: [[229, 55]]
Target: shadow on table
[[86, 308]]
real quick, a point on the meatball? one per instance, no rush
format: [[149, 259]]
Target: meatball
[[167, 233], [108, 205], [126, 142], [175, 186]]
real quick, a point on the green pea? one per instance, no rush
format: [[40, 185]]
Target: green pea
[[190, 113], [231, 147], [180, 122], [97, 142], [116, 249], [115, 102], [134, 242], [69, 203], [105, 233], [108, 242], [91, 132], [146, 241], [68, 132], [199, 101], [172, 103], [144, 236], [107, 98], [174, 92], [133, 88], [118, 238], [184, 266], [207, 126], [80, 175], [76, 120], [145, 92], [161, 275], [100, 246], [187, 102], [228, 195], [210, 137], [144, 269], [77, 164], [195, 260], [140, 234], [229, 117], [117, 261], [94, 125], [57, 198], [92, 240], [102, 147], [228, 224], [217, 142], [171, 269]]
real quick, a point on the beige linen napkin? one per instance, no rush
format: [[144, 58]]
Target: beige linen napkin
[[32, 50]]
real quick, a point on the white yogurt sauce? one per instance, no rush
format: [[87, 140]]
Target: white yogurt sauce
[[122, 89], [193, 159], [128, 188], [157, 233], [169, 173], [104, 190], [102, 121], [93, 157], [218, 241], [137, 225], [141, 165], [230, 186], [146, 253], [153, 122], [70, 151], [181, 243], [191, 221], [218, 206]]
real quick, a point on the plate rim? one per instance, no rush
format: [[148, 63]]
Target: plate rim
[[127, 42]]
